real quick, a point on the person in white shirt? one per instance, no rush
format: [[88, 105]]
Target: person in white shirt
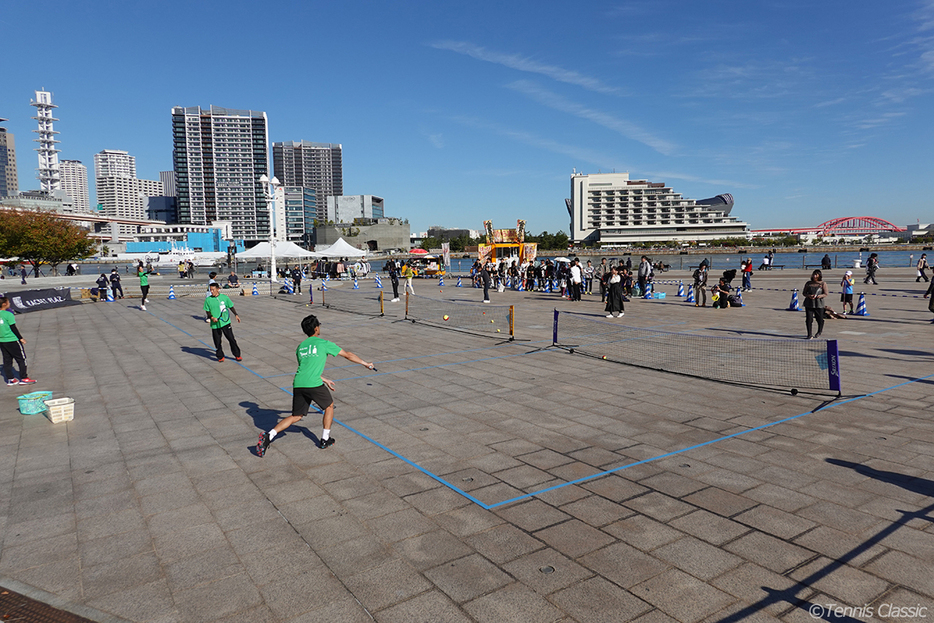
[[576, 280]]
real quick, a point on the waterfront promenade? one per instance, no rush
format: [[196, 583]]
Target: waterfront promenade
[[151, 505]]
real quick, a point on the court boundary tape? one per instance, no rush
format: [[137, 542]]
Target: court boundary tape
[[526, 496]]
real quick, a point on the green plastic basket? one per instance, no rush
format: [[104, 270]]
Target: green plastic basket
[[31, 404]]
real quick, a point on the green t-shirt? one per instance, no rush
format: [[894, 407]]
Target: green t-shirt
[[218, 306], [6, 327], [312, 355], [143, 278]]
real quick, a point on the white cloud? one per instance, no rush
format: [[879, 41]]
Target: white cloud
[[521, 63], [621, 126]]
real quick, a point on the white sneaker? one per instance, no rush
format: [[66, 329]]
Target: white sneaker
[[609, 316], [486, 301], [621, 314], [142, 307], [394, 301]]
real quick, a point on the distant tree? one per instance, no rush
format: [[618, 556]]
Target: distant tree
[[41, 238]]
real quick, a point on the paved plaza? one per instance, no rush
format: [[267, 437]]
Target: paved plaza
[[656, 504]]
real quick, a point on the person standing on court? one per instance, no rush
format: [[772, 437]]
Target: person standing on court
[[589, 272], [218, 308], [872, 265], [408, 273], [297, 278], [143, 275], [115, 283], [747, 274], [930, 294], [815, 291], [103, 284], [599, 274], [393, 279], [922, 266], [575, 277], [614, 295], [645, 273], [11, 343], [700, 286], [309, 386], [487, 281], [846, 296]]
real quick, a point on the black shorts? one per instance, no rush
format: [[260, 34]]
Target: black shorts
[[846, 298], [302, 397]]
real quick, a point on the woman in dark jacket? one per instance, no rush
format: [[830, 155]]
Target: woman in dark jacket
[[614, 296], [815, 291]]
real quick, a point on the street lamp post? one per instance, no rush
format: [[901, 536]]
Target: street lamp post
[[271, 185]]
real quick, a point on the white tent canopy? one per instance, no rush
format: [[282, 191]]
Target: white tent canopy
[[283, 249], [340, 249]]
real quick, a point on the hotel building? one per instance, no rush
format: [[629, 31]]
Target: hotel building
[[317, 166], [612, 210]]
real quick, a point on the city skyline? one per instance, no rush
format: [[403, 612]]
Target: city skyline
[[461, 115]]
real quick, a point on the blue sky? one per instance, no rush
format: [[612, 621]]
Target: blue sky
[[456, 112]]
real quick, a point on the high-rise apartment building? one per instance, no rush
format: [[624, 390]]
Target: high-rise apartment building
[[119, 192], [613, 210], [114, 163], [9, 182], [310, 165], [74, 176], [219, 155], [168, 183]]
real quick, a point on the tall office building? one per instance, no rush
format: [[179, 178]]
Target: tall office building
[[49, 174], [219, 155], [9, 182], [310, 165], [168, 183], [74, 177]]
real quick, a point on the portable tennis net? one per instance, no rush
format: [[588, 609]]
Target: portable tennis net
[[367, 302], [495, 320], [772, 362]]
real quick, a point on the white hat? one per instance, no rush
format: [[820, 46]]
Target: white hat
[[849, 272]]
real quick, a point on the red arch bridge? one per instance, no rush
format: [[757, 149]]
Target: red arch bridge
[[843, 226]]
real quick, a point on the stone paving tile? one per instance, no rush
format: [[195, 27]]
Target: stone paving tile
[[769, 552], [709, 527], [756, 586], [433, 606], [900, 568], [546, 571], [596, 511], [467, 578], [431, 549], [849, 585], [512, 603], [623, 564], [596, 601], [682, 596], [385, 585], [642, 532], [532, 515], [698, 558], [720, 502], [775, 522], [659, 506]]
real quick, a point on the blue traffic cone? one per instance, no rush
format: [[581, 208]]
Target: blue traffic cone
[[288, 286], [441, 281], [110, 295], [459, 283], [794, 302], [680, 288], [379, 283], [519, 286], [324, 285], [690, 298], [255, 290], [171, 293], [861, 306], [739, 297], [356, 286], [648, 291]]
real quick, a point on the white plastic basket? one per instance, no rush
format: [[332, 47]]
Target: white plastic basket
[[61, 409]]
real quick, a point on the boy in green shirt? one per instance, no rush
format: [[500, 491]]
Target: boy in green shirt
[[218, 308], [309, 386], [143, 275], [11, 343]]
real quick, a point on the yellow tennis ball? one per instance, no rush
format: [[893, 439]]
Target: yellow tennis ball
[[492, 321], [446, 316], [497, 330]]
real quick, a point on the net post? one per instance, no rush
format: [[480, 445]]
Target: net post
[[554, 338], [512, 321], [381, 312], [833, 365], [406, 303]]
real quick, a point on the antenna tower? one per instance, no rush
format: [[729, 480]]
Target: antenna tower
[[49, 173]]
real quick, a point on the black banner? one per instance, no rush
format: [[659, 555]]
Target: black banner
[[34, 300]]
